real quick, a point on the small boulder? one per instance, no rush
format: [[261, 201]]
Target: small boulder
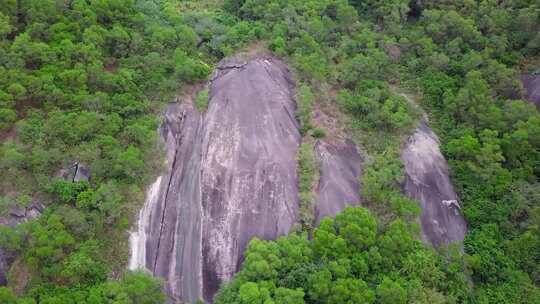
[[17, 211], [82, 173]]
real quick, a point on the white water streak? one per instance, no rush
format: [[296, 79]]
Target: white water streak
[[137, 238]]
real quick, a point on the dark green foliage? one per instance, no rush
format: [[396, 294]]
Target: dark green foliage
[[305, 99], [83, 81], [308, 175], [492, 142], [349, 260], [462, 56]]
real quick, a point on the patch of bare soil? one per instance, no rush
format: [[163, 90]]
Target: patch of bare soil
[[110, 68], [8, 134], [328, 116], [253, 50], [189, 92], [19, 276]]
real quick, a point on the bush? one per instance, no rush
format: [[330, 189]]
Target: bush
[[7, 118], [305, 99], [201, 101], [318, 133], [308, 175]]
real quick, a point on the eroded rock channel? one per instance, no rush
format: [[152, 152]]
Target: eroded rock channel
[[232, 176]]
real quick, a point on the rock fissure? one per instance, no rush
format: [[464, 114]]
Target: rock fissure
[[162, 222]]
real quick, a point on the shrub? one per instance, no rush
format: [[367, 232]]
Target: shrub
[[201, 101], [318, 133]]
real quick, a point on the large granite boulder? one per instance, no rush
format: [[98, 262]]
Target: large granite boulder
[[340, 167], [232, 177], [427, 181]]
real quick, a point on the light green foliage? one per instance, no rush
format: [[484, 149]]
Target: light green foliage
[[462, 56], [201, 101], [7, 296], [349, 260], [82, 81], [389, 292], [381, 185], [375, 108], [7, 118], [305, 99], [308, 175]]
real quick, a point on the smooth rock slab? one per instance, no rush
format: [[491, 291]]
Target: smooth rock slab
[[340, 167], [232, 177], [427, 181], [531, 83]]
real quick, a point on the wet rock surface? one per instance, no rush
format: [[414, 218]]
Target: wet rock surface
[[531, 84], [427, 181], [340, 167], [232, 177]]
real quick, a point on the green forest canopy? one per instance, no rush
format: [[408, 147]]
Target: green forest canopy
[[84, 80]]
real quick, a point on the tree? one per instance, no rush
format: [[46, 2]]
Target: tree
[[390, 292], [7, 296], [7, 118]]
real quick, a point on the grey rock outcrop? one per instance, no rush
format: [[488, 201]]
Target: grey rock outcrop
[[427, 181], [75, 173], [531, 84], [5, 261], [339, 183], [232, 177]]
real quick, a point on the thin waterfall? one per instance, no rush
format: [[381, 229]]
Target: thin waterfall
[[137, 238]]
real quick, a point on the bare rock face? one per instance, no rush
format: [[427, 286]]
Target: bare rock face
[[531, 83], [427, 181], [339, 182], [232, 177], [5, 261], [75, 173]]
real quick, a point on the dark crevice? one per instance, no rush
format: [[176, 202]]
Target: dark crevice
[[166, 199]]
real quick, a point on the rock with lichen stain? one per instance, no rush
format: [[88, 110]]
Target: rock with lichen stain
[[427, 181], [340, 167]]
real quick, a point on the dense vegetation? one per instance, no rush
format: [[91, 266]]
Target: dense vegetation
[[462, 58], [348, 260], [83, 81]]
